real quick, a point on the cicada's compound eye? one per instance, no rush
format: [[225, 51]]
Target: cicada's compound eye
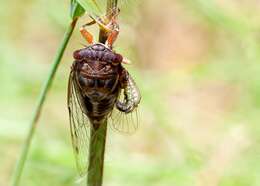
[[76, 55], [117, 59]]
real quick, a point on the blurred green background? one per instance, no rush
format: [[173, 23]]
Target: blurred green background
[[197, 65]]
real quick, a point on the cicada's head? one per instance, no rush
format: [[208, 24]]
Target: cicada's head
[[98, 59]]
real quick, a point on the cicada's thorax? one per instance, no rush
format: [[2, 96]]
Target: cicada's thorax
[[98, 74]]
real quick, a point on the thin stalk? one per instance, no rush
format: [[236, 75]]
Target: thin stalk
[[98, 136], [33, 124], [96, 154]]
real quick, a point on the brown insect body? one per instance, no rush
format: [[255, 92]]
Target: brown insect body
[[100, 92], [100, 77]]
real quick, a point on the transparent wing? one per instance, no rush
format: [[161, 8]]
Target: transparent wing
[[124, 122], [79, 125]]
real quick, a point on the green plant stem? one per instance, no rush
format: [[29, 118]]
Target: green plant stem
[[33, 124], [96, 154], [98, 136]]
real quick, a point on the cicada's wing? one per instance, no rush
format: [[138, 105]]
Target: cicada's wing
[[125, 117], [124, 122], [79, 125]]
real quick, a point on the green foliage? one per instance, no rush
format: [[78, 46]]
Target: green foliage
[[76, 10], [90, 6], [79, 7]]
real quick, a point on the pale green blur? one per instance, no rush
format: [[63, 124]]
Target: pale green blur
[[197, 65]]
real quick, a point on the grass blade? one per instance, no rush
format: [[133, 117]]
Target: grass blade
[[33, 124], [90, 6], [76, 10]]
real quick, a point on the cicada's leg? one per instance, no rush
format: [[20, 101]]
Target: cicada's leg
[[111, 28], [132, 94], [112, 37], [87, 35], [101, 23]]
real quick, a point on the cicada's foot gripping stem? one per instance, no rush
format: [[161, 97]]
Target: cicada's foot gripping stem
[[132, 96]]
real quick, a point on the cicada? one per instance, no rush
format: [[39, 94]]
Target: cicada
[[100, 89]]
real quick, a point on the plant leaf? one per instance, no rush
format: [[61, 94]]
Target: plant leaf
[[90, 6], [76, 10]]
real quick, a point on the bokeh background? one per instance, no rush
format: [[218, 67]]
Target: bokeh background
[[197, 65]]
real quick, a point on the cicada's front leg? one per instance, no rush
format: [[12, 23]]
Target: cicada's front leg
[[132, 94], [109, 26]]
